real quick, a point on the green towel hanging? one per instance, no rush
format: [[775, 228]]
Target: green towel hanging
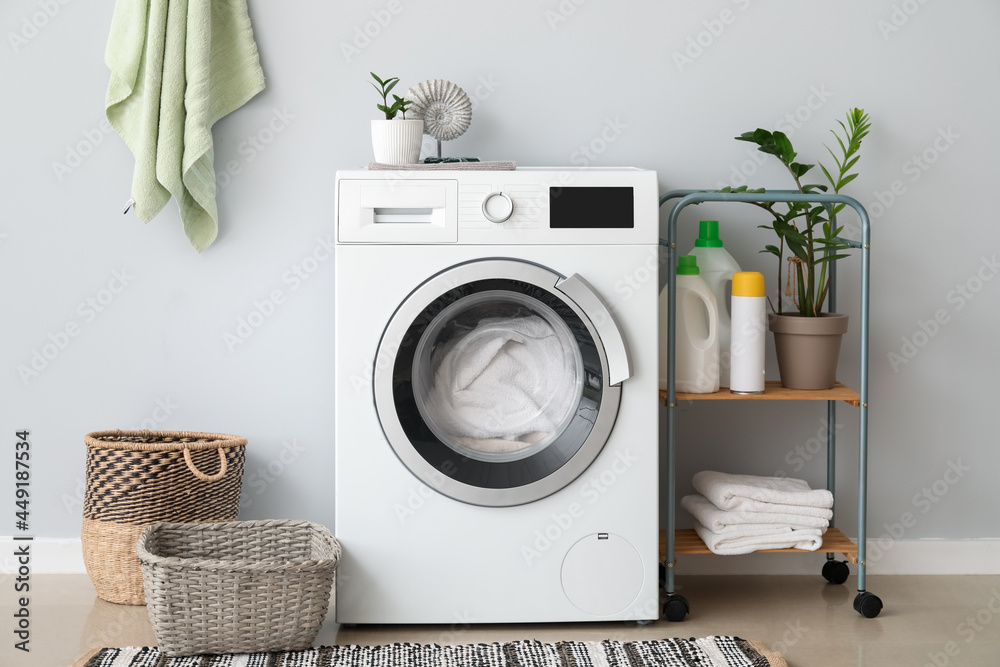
[[178, 66]]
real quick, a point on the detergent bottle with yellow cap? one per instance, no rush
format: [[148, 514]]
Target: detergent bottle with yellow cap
[[749, 324]]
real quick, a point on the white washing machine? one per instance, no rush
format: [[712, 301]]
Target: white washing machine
[[496, 396]]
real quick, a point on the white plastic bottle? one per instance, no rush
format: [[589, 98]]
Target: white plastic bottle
[[697, 339], [749, 331], [717, 267]]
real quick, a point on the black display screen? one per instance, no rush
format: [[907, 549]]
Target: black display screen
[[591, 208]]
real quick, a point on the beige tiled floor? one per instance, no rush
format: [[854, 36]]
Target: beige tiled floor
[[812, 622]]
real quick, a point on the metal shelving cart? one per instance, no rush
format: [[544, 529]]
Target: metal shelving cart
[[675, 542]]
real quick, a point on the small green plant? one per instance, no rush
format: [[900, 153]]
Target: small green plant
[[399, 104], [815, 243]]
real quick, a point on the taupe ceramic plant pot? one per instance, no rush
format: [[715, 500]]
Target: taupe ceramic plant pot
[[808, 348]]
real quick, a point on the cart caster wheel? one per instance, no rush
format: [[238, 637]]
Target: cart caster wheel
[[835, 571], [663, 575], [676, 608], [867, 604]]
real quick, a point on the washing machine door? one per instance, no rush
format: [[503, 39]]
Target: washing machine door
[[497, 382]]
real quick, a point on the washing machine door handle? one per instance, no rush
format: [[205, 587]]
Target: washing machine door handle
[[615, 349]]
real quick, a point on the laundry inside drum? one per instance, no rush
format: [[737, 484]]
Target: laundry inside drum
[[497, 376]]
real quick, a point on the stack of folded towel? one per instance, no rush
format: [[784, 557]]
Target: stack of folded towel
[[739, 514]]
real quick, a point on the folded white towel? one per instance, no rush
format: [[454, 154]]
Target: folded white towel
[[727, 521], [508, 383], [749, 493], [809, 539]]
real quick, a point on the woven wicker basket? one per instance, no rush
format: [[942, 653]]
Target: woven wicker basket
[[135, 478], [238, 587]]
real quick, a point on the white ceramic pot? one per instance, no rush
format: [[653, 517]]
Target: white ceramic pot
[[397, 141]]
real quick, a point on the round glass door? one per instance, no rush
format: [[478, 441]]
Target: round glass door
[[497, 375], [492, 389]]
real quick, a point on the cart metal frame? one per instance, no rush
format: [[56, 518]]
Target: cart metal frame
[[866, 603]]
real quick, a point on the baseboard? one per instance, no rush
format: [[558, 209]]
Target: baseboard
[[46, 555], [65, 556]]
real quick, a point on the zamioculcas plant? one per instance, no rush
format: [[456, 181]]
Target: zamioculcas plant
[[399, 104], [809, 231]]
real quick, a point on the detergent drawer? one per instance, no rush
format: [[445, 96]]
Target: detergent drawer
[[397, 211]]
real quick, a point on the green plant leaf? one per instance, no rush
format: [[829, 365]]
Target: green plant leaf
[[847, 179], [837, 137], [828, 176], [771, 149], [726, 189], [762, 136], [787, 231], [375, 76], [836, 160], [390, 86], [830, 258], [747, 136], [773, 249], [800, 169], [804, 306], [830, 245], [787, 153], [798, 249]]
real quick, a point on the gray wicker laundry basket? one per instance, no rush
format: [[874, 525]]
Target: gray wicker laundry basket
[[237, 587]]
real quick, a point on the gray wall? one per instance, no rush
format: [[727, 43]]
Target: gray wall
[[596, 82]]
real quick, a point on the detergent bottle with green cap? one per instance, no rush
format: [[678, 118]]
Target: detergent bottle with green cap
[[717, 268], [697, 332], [749, 332]]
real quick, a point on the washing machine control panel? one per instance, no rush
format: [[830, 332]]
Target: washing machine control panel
[[546, 206], [529, 206]]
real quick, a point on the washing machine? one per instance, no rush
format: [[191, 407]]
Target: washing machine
[[496, 396]]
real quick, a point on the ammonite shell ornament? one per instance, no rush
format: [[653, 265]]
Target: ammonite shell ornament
[[444, 108]]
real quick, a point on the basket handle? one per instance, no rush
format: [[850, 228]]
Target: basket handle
[[202, 476]]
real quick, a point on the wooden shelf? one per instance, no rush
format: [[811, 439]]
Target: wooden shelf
[[686, 541], [773, 391]]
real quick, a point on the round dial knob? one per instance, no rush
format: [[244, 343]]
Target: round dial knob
[[497, 207]]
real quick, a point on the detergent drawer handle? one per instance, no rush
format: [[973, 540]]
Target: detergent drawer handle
[[615, 349]]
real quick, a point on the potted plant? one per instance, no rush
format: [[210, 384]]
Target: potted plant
[[808, 341], [395, 141]]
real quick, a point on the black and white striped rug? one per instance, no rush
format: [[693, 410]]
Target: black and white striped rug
[[705, 652]]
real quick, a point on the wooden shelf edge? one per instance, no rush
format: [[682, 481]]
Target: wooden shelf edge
[[773, 391], [686, 541]]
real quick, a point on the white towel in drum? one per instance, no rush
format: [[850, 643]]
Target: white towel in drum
[[749, 493], [750, 538], [728, 521], [506, 383]]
